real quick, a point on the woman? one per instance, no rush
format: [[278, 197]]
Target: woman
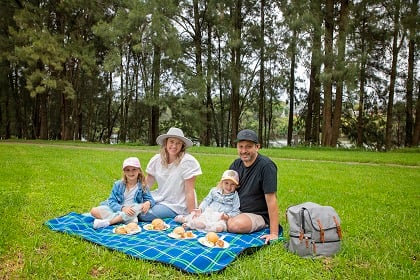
[[174, 171]]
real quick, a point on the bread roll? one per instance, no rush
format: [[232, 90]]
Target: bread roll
[[121, 230], [179, 230], [158, 224], [132, 227], [212, 237]]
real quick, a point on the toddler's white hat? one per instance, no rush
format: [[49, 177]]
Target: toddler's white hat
[[231, 175]]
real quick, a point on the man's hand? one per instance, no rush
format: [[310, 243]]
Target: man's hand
[[269, 237]]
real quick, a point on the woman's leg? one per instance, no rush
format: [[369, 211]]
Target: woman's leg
[[157, 211]]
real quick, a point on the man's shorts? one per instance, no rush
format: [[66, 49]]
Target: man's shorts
[[257, 221]]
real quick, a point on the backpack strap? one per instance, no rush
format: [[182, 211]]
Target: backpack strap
[[338, 227], [302, 224], [321, 231]]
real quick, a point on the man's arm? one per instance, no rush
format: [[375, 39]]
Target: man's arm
[[273, 215]]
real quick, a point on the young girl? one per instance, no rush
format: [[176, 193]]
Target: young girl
[[218, 206], [129, 197]]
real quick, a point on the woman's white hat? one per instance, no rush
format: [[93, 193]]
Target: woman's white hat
[[174, 132]]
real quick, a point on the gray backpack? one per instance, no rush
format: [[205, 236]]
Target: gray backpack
[[314, 230]]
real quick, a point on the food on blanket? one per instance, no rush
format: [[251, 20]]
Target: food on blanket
[[158, 224], [189, 234], [179, 231], [212, 240], [131, 227], [220, 243], [121, 230], [212, 237]]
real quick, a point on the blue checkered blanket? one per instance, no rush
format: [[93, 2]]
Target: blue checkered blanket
[[186, 254]]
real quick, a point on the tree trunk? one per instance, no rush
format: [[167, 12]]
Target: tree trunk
[[416, 134], [328, 69], [223, 138], [312, 115], [43, 116], [389, 111], [261, 97], [362, 78], [341, 66], [154, 115], [211, 114], [236, 70], [292, 88], [410, 78]]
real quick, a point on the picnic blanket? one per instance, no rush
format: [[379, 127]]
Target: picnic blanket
[[186, 254]]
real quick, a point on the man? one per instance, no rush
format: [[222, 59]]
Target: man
[[257, 189]]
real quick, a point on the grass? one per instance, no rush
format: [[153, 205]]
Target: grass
[[376, 194]]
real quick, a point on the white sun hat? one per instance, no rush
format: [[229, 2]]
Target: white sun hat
[[174, 132], [131, 161]]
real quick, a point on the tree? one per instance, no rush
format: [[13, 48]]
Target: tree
[[395, 11], [312, 121], [327, 75], [340, 70], [235, 44], [410, 24]]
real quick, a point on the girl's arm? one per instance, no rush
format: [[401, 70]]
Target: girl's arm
[[235, 206], [115, 198]]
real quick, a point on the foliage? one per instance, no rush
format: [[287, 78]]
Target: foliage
[[376, 195], [92, 69]]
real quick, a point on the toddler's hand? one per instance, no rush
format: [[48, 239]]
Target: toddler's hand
[[196, 212]]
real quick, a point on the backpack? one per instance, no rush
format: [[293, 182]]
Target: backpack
[[314, 230]]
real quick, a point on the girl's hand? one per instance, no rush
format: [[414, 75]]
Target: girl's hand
[[224, 216], [129, 210]]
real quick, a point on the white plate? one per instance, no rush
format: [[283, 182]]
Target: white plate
[[149, 227], [129, 233], [177, 236], [203, 241]]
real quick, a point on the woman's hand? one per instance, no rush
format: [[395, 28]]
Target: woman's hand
[[145, 207]]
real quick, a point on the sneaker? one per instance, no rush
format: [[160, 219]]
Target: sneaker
[[100, 223]]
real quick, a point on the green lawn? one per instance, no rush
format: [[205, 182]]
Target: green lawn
[[376, 194]]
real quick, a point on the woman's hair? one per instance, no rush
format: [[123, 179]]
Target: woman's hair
[[164, 156], [140, 178]]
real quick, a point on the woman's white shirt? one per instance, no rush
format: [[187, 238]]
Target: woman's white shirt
[[171, 181]]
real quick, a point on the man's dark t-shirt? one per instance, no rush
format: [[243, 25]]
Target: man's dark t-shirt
[[254, 181]]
